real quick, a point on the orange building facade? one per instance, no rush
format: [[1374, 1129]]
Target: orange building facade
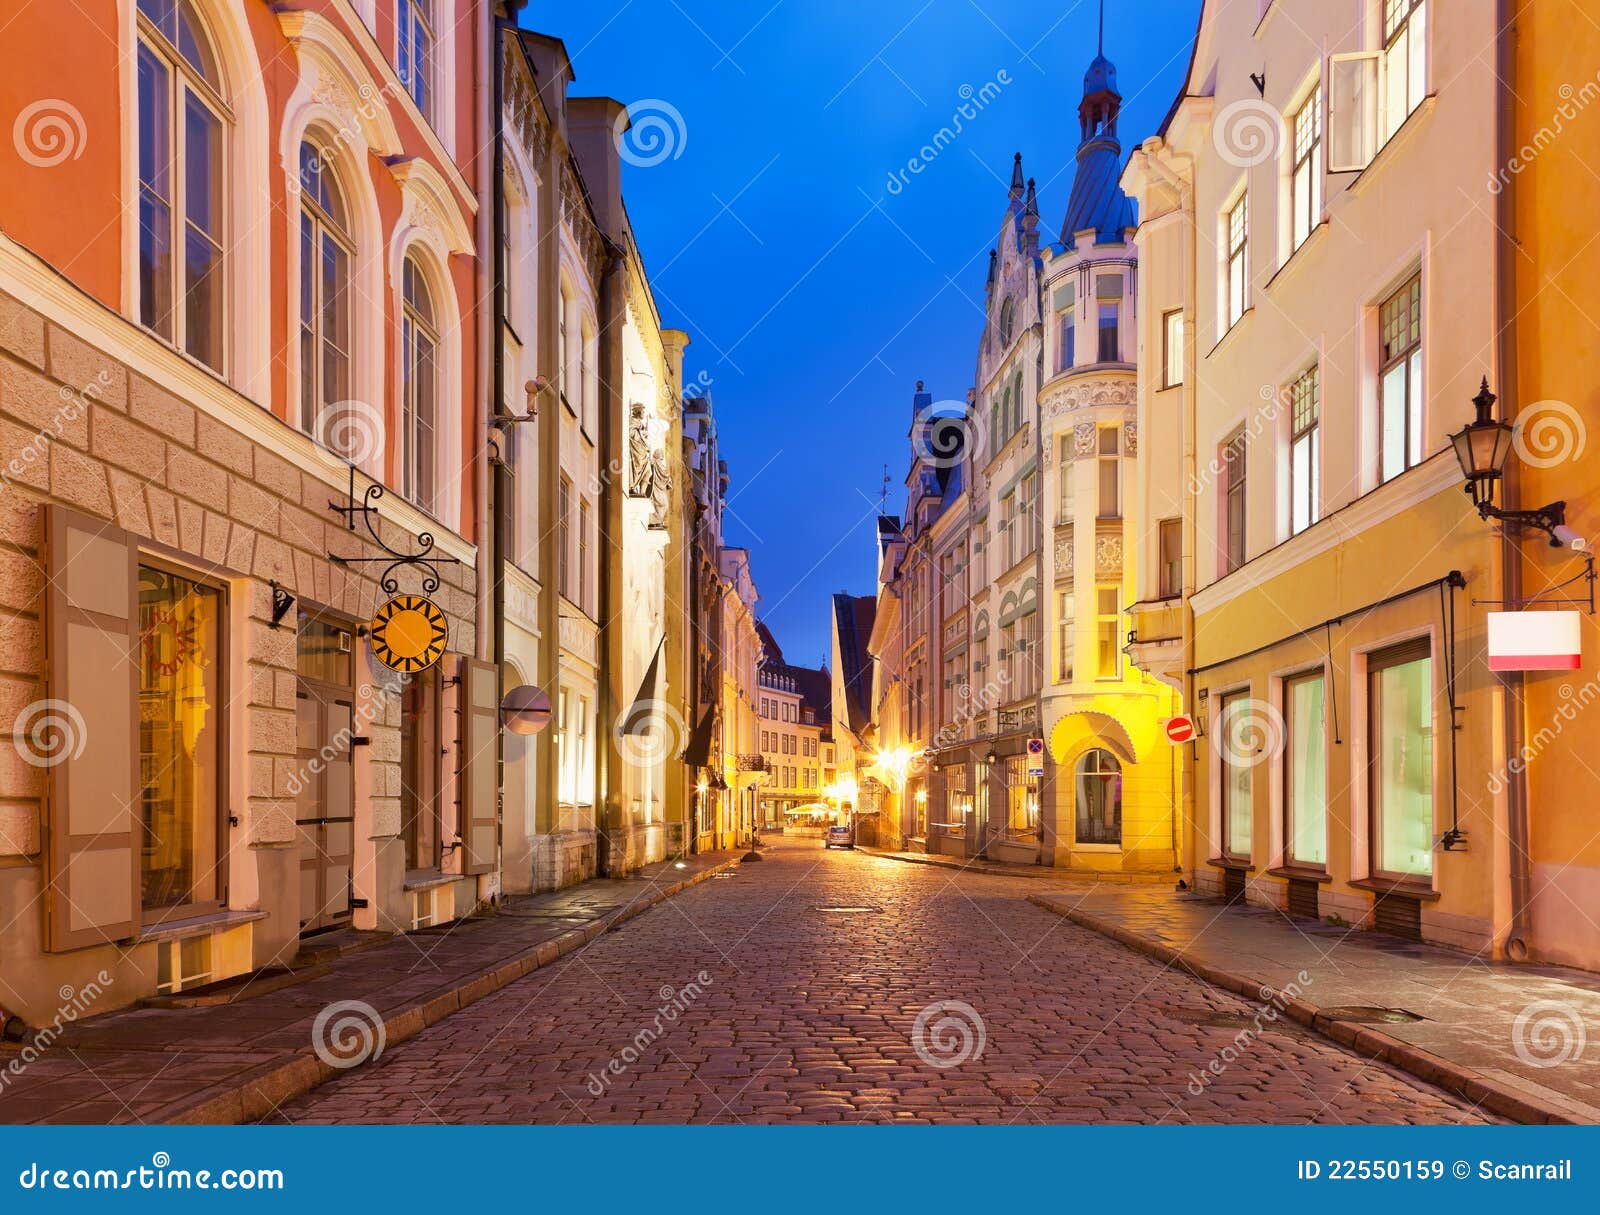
[[240, 289]]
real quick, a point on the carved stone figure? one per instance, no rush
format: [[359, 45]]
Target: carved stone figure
[[639, 467], [660, 491]]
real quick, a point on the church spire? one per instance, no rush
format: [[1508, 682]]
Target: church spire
[[1016, 177]]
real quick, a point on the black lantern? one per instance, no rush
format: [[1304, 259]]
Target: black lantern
[[1482, 447]]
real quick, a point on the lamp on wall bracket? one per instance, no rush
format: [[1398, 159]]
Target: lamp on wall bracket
[[1482, 447], [282, 601]]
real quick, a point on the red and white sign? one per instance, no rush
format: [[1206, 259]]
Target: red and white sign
[[1180, 729], [1535, 641]]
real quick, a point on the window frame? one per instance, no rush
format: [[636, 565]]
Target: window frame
[[1390, 657], [1080, 774], [1410, 357], [418, 464], [1290, 769], [1306, 152], [150, 917], [412, 17], [1169, 570], [1305, 427], [183, 79], [1066, 635], [1236, 261], [1103, 619], [1171, 349], [1226, 850], [315, 417], [1235, 465], [1108, 464]]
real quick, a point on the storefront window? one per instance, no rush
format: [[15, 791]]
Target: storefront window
[[1400, 717], [1236, 785], [180, 751], [419, 754], [1098, 788], [1022, 798], [980, 799], [1306, 772]]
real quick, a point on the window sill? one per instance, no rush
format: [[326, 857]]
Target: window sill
[[197, 926], [428, 879], [1300, 873], [1401, 887], [1295, 260], [1232, 329], [1078, 846], [1242, 864], [1386, 153]]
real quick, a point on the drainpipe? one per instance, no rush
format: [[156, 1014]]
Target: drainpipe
[[1513, 707], [1152, 151], [608, 756]]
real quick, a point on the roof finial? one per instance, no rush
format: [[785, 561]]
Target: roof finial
[[1102, 47]]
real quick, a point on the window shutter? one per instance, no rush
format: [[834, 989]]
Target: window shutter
[[479, 784], [92, 642], [1352, 111]]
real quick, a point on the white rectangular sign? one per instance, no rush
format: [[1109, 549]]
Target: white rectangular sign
[[1535, 641]]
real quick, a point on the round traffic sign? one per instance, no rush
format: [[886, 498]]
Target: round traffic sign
[[1180, 729]]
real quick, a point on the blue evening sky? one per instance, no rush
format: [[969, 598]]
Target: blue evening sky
[[815, 297]]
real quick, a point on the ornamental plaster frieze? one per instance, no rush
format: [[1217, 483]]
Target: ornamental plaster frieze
[[1061, 399]]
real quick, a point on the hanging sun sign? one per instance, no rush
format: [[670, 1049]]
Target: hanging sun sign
[[409, 633]]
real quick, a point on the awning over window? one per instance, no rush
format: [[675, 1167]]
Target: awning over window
[[647, 703], [697, 751]]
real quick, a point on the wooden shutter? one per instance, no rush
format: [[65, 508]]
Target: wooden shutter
[[479, 785], [92, 650]]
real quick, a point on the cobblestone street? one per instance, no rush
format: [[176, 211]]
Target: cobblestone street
[[747, 999]]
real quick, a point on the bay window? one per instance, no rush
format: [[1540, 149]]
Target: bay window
[[181, 120]]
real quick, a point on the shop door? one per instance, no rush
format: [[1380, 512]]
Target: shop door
[[325, 803]]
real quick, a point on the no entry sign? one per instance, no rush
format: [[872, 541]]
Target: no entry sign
[[1180, 729]]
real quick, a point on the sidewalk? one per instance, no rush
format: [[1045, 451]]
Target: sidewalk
[[1524, 1041], [1007, 869], [236, 1061]]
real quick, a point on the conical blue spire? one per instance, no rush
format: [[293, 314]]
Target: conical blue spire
[[1097, 199]]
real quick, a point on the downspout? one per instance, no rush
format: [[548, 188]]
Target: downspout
[[1151, 151], [608, 756], [499, 490], [1513, 706]]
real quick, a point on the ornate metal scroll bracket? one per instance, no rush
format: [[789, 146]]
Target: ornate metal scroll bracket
[[424, 559]]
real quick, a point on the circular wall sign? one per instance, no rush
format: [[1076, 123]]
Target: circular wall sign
[[409, 633]]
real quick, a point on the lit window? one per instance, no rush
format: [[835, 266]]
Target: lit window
[[1405, 48], [1066, 640], [1400, 380], [1172, 349], [180, 158], [1233, 720], [1238, 242], [1306, 183], [1171, 539], [1400, 768], [419, 386], [1305, 451], [1108, 611], [1305, 771], [1110, 468], [1098, 790], [1065, 481]]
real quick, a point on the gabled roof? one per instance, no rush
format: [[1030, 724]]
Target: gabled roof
[[853, 615]]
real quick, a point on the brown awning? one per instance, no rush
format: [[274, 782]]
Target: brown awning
[[642, 712], [697, 751]]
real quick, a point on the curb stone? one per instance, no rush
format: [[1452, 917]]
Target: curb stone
[[1464, 1082], [255, 1093]]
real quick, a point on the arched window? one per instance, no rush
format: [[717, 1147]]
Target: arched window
[[326, 251], [1099, 798], [182, 117], [1007, 315], [419, 390], [1016, 403]]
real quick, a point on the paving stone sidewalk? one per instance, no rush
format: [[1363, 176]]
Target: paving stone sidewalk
[[1522, 1039], [236, 1061], [1010, 869]]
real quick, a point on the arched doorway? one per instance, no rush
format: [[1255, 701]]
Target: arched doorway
[[1097, 797]]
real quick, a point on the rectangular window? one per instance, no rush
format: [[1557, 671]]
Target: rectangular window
[[1238, 261], [1171, 540], [1306, 181], [1065, 482], [1400, 380], [1305, 772], [584, 523], [1400, 763], [1172, 348], [1305, 451], [1233, 470], [1110, 332], [1237, 806], [180, 741], [1108, 621], [414, 61], [1029, 493], [1066, 639], [1068, 340], [1022, 798], [564, 539], [1405, 49], [1110, 469]]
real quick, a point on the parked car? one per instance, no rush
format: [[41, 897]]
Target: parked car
[[839, 837]]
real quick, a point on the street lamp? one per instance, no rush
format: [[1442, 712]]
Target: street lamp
[[1481, 448]]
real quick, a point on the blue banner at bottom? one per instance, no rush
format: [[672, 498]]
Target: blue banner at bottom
[[664, 1169]]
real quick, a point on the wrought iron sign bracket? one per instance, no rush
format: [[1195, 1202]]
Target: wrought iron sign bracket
[[1585, 601], [423, 559]]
